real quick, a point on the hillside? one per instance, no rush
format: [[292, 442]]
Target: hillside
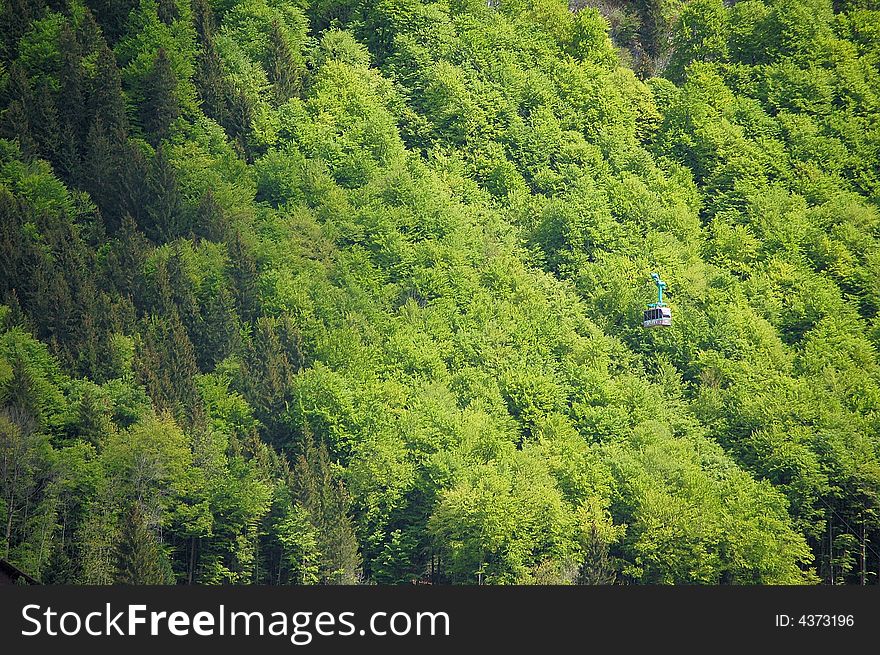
[[340, 291]]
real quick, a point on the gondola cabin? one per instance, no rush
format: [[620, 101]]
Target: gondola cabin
[[657, 317], [657, 314]]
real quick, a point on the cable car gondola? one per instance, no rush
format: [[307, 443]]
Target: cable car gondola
[[658, 314]]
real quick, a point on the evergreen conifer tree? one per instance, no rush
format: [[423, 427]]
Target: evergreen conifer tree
[[159, 105], [140, 557], [327, 502]]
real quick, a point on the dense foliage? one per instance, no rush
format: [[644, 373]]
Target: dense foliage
[[344, 291]]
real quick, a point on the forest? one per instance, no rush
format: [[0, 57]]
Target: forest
[[351, 291]]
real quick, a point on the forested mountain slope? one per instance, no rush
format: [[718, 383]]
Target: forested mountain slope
[[351, 291]]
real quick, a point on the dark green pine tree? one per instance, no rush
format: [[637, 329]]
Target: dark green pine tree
[[203, 19], [181, 295], [71, 107], [15, 19], [107, 134], [15, 127], [597, 567], [159, 105], [50, 302], [182, 360], [61, 567], [122, 318], [242, 274], [141, 560], [91, 341], [291, 340], [15, 123], [106, 102], [326, 500], [210, 221], [17, 316], [165, 211], [88, 33], [209, 75], [284, 72], [68, 156], [268, 375], [151, 358], [91, 417], [125, 259], [131, 168], [74, 261], [112, 15], [167, 366], [168, 11], [238, 119], [99, 173], [12, 262], [43, 119], [160, 299], [22, 395], [32, 268], [220, 335]]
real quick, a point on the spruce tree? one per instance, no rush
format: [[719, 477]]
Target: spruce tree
[[124, 263], [183, 294], [112, 15], [99, 173], [165, 209], [209, 76], [12, 272], [220, 333], [168, 369], [131, 168], [22, 397], [268, 375], [140, 557], [168, 11], [92, 422], [107, 133], [326, 500], [210, 221], [597, 567], [90, 342], [238, 118], [71, 107], [106, 102], [159, 104], [88, 33], [43, 119], [284, 72], [242, 274], [15, 123], [15, 19]]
